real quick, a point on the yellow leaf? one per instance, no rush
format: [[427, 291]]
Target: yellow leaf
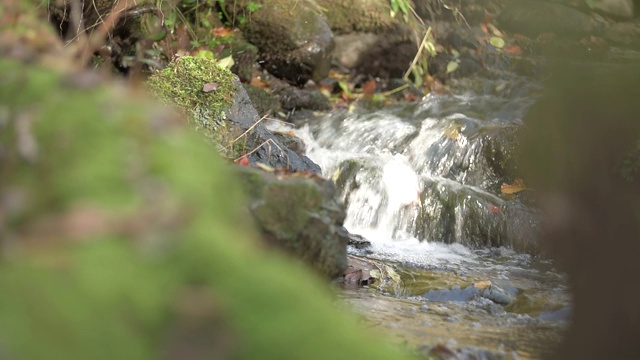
[[482, 284], [265, 167], [497, 42], [516, 187], [452, 66], [453, 132]]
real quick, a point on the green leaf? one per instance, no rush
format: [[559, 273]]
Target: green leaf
[[378, 98], [392, 274], [205, 54], [431, 48], [497, 42], [591, 3], [345, 87], [452, 66], [227, 62], [375, 274]]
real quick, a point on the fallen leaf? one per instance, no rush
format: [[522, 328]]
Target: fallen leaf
[[209, 87], [227, 62], [375, 274], [513, 50], [484, 28], [392, 274], [497, 42], [259, 83], [453, 131], [265, 167], [493, 209], [482, 284], [516, 187], [494, 30], [221, 31], [410, 97], [369, 87], [452, 66], [244, 161], [356, 276]]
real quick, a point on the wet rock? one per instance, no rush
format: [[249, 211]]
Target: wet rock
[[293, 37], [619, 8], [301, 215], [226, 115], [348, 16], [271, 151], [245, 56], [291, 141], [532, 18], [292, 97], [477, 219], [263, 101], [359, 241], [627, 33], [378, 54]]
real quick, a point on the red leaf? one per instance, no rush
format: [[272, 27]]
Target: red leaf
[[493, 209], [369, 87], [513, 50], [244, 161], [221, 32]]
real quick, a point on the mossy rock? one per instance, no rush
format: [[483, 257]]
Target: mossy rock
[[264, 102], [346, 16], [300, 214], [293, 37], [124, 239], [187, 82], [224, 113]]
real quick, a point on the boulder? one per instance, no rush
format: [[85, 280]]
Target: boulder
[[293, 37], [300, 214], [225, 115], [618, 8], [532, 18]]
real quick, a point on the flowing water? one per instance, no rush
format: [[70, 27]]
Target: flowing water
[[422, 182]]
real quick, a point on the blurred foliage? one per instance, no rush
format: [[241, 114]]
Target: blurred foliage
[[123, 238]]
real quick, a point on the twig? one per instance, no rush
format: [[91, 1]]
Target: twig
[[393, 91], [418, 54], [97, 39], [245, 132]]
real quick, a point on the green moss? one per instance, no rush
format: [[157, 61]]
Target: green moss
[[181, 84], [346, 16], [177, 270]]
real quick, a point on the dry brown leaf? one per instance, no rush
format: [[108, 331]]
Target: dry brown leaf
[[482, 284], [221, 31], [259, 83], [513, 50], [514, 188], [210, 87], [369, 87]]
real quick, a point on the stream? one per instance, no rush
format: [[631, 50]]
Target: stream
[[422, 182]]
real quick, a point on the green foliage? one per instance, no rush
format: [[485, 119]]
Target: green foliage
[[420, 66], [176, 270], [402, 6]]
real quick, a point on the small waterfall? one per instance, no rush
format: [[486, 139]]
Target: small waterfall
[[430, 171]]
